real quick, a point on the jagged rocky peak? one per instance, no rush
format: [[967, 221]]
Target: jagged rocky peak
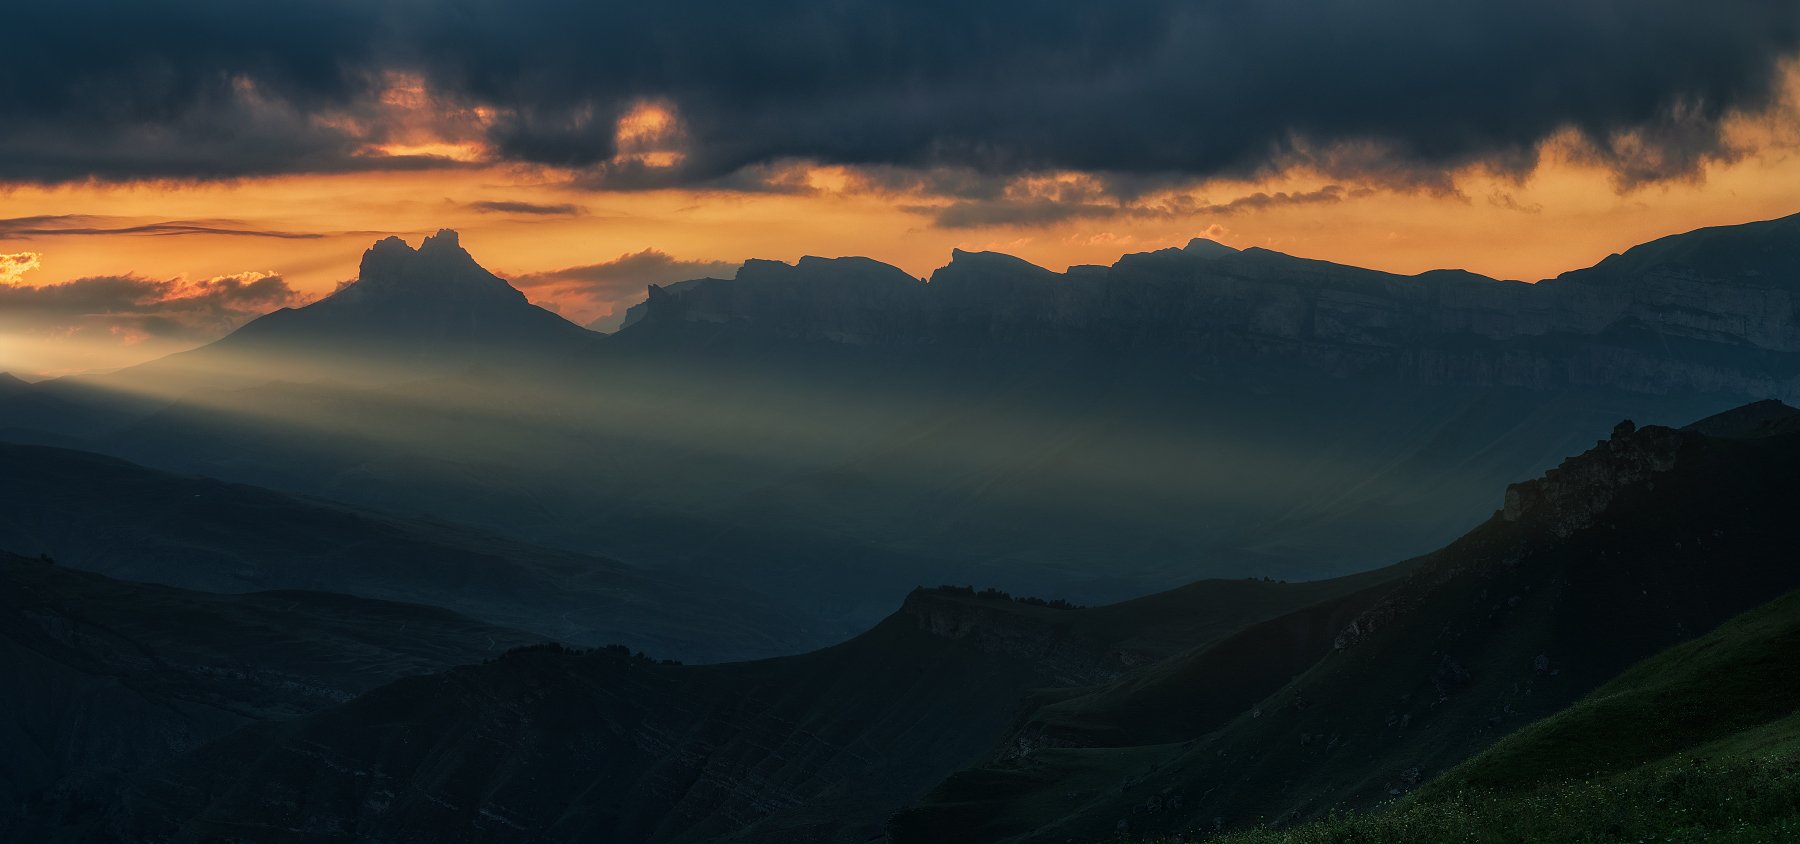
[[446, 240], [1570, 496], [440, 266]]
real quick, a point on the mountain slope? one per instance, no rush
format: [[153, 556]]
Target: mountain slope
[[1652, 537], [99, 675], [104, 515], [546, 744], [1698, 743]]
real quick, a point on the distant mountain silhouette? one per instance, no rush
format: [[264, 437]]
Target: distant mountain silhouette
[[1712, 310], [410, 313]]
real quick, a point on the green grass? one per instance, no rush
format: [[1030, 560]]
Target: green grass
[[1746, 789], [1699, 743]]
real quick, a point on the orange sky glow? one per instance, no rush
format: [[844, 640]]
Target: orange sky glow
[[1565, 214]]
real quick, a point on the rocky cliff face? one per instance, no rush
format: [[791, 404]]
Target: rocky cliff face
[[1569, 497], [1711, 311]]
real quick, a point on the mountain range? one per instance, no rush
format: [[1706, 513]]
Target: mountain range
[[833, 432], [1662, 317], [301, 584]]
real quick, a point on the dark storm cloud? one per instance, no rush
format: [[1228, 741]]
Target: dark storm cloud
[[67, 225], [130, 305], [206, 88], [529, 208], [1005, 211]]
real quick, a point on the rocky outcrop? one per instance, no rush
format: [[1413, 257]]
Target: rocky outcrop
[[1570, 496], [1565, 500]]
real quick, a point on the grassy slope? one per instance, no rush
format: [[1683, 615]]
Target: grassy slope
[[1699, 743]]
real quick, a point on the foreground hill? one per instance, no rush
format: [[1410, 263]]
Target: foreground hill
[[1699, 743], [1652, 537], [100, 676], [547, 744], [105, 515]]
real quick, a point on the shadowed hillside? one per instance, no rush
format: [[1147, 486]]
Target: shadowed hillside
[[551, 744], [100, 676], [1652, 537], [1208, 707], [1698, 743]]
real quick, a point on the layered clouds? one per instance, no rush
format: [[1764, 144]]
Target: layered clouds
[[140, 142], [93, 322], [598, 294], [699, 93]]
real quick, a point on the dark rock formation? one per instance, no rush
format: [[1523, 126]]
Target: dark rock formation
[[1568, 497]]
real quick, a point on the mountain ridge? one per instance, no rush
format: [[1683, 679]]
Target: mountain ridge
[[1221, 307]]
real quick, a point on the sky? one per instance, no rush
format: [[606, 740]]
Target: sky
[[170, 170]]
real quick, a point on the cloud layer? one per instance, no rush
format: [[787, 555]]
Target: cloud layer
[[203, 89], [130, 309], [15, 265], [605, 289], [68, 225]]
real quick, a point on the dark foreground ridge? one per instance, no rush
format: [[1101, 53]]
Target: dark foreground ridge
[[101, 676]]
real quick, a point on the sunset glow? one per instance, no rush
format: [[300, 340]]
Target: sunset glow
[[426, 159]]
